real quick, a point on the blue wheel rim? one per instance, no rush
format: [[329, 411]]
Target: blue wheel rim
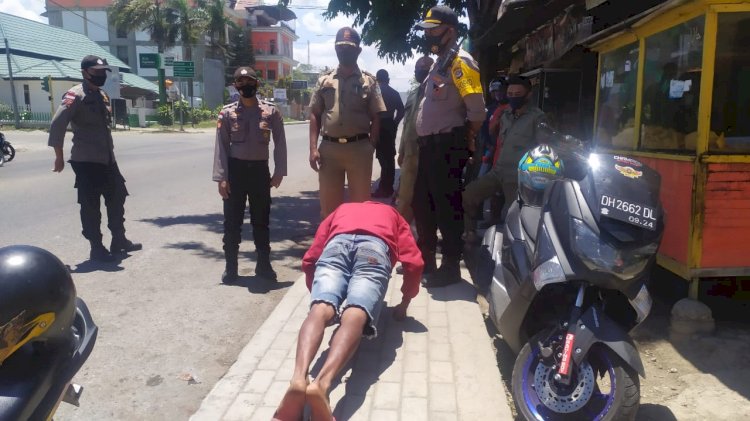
[[596, 409]]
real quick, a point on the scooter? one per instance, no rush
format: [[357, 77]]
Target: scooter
[[6, 149], [36, 378], [569, 282]]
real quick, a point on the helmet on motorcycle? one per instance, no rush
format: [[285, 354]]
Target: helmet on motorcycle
[[536, 169], [37, 299]]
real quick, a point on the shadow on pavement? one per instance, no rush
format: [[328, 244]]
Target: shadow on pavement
[[258, 285], [461, 291], [506, 358], [88, 266], [653, 412]]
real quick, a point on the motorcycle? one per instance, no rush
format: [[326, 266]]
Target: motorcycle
[[568, 282], [46, 334], [7, 150]]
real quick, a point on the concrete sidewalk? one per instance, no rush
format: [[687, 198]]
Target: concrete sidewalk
[[437, 365]]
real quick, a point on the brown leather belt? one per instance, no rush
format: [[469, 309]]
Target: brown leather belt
[[354, 138]]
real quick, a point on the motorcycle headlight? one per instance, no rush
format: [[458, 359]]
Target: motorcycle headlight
[[599, 255]]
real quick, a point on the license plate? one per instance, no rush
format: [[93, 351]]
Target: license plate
[[627, 211]]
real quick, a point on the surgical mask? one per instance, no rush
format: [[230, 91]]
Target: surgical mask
[[248, 91], [421, 75], [517, 102], [97, 80], [347, 57]]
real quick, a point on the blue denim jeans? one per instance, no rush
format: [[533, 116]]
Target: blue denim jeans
[[353, 270]]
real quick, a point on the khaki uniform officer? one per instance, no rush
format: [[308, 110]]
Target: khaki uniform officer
[[344, 108], [449, 117], [408, 150], [243, 135]]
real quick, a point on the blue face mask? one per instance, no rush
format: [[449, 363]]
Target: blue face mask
[[516, 102]]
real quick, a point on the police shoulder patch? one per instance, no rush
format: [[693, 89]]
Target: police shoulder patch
[[69, 98]]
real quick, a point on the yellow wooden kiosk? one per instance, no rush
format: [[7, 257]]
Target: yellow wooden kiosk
[[673, 90]]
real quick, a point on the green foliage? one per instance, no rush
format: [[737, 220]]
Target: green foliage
[[6, 112], [390, 25], [240, 52], [164, 115], [148, 15]]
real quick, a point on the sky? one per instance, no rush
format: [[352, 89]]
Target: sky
[[309, 26]]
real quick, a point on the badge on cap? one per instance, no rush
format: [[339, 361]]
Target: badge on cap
[[99, 61], [243, 72]]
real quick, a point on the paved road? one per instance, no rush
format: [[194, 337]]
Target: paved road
[[163, 315]]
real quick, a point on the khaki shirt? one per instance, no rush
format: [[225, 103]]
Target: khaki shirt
[[89, 113], [519, 134], [450, 101], [245, 133], [408, 145], [346, 104]]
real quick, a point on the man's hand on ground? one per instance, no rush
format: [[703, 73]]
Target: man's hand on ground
[[224, 189], [276, 180], [399, 312]]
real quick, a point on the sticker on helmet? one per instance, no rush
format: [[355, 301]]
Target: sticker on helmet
[[628, 161]]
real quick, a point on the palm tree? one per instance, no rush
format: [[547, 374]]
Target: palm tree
[[151, 16], [216, 26]]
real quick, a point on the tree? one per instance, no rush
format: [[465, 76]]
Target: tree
[[386, 24], [240, 52], [151, 16], [216, 26]]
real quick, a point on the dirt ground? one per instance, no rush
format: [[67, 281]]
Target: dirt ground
[[701, 378]]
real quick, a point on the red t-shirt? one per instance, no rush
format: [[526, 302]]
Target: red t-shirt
[[372, 218]]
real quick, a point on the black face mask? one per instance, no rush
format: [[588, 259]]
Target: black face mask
[[347, 57], [517, 102], [421, 75], [248, 91], [97, 80], [434, 43]]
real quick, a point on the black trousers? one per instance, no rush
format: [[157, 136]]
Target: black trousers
[[437, 193], [92, 182], [385, 151], [249, 182]]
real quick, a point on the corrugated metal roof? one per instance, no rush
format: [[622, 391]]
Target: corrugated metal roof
[[29, 38], [136, 81]]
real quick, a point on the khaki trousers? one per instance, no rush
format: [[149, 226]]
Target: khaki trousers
[[339, 162]]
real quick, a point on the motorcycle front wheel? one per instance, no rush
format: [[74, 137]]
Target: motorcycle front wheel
[[602, 387], [9, 152]]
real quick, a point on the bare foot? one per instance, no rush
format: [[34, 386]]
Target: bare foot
[[293, 402], [320, 408]]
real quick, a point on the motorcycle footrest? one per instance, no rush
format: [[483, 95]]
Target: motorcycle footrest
[[73, 394]]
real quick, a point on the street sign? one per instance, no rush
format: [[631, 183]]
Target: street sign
[[299, 84], [149, 60], [279, 94], [183, 68], [168, 61]]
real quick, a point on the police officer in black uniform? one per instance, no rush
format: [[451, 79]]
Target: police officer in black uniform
[[88, 110], [243, 135]]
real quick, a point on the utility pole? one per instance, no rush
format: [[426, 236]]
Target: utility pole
[[308, 52], [12, 86]]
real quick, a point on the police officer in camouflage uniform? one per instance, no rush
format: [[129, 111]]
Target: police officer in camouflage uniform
[[243, 134], [448, 120], [87, 108], [345, 108]]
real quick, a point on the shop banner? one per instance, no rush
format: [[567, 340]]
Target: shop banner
[[557, 37]]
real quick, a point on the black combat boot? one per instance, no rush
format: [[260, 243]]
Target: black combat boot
[[230, 274], [448, 273], [121, 244], [99, 253], [263, 267]]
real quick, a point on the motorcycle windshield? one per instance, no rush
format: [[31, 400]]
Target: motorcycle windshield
[[623, 189]]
